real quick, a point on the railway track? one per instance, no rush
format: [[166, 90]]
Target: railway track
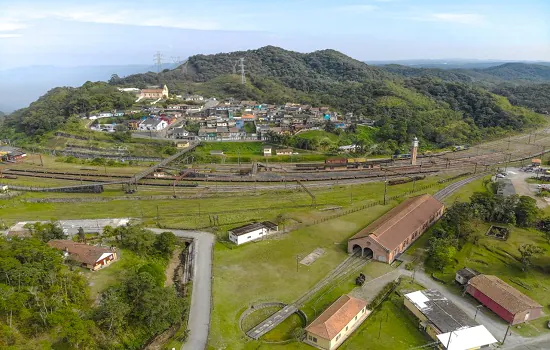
[[351, 264], [447, 191]]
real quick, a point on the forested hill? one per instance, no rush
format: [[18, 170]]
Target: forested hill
[[439, 109], [519, 72]]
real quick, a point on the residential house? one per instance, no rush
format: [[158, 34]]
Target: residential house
[[180, 133], [133, 124], [441, 319], [88, 256], [153, 124], [267, 151], [251, 232], [336, 323], [504, 300], [391, 234], [11, 154], [194, 98]]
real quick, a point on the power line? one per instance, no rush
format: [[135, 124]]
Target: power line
[[243, 77], [157, 58]]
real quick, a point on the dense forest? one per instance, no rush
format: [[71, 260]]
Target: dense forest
[[441, 107], [53, 109], [535, 96], [44, 300]]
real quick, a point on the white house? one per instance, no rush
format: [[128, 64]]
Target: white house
[[153, 124], [180, 133], [251, 232], [267, 151], [194, 98]]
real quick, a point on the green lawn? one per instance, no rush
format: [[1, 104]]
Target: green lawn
[[317, 134], [389, 327]]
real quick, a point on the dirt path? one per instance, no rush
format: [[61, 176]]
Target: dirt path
[[171, 268]]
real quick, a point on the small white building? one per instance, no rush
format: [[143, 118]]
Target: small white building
[[251, 232], [267, 151], [153, 124]]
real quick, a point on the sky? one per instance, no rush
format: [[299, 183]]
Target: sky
[[99, 32]]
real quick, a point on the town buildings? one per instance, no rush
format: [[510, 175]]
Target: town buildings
[[251, 232], [391, 234], [153, 124], [507, 302], [11, 154], [88, 256], [336, 323], [441, 320]]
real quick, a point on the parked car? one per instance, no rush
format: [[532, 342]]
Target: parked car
[[500, 176]]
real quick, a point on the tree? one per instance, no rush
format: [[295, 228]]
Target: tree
[[527, 252], [329, 126], [112, 311], [46, 231], [81, 235], [165, 243], [441, 252], [526, 211]]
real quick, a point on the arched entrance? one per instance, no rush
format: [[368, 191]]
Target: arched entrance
[[368, 253], [357, 249]]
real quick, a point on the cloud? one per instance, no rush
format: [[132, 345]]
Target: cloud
[[10, 35], [357, 8], [463, 18], [18, 17]]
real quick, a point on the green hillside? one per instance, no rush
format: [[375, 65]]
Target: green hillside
[[519, 71]]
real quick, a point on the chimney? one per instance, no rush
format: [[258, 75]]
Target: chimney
[[414, 151]]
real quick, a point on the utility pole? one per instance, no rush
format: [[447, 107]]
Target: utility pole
[[243, 77], [158, 216], [477, 309], [449, 342], [297, 262], [505, 335], [385, 185], [158, 60]]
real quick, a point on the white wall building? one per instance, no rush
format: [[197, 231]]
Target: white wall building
[[153, 124], [251, 232]]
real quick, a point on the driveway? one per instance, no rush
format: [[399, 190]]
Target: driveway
[[495, 325], [199, 315]]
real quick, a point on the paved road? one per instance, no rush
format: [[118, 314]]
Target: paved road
[[199, 316]]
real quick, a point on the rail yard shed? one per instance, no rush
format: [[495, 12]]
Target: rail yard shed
[[252, 231], [391, 234], [441, 319], [507, 302]]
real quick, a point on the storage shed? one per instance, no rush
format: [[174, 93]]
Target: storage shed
[[507, 302]]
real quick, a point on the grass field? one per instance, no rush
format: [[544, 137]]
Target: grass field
[[317, 134]]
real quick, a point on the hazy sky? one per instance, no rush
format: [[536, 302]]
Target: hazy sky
[[88, 32]]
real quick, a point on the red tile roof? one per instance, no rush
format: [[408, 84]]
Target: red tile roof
[[503, 294], [392, 228], [333, 320], [83, 253]]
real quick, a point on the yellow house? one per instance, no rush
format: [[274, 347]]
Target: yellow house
[[336, 323], [154, 93], [183, 144]]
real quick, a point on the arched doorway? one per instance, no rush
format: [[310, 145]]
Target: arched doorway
[[357, 249], [368, 253]]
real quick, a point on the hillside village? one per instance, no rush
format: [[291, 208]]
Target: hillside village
[[222, 120]]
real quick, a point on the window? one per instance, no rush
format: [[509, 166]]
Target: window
[[249, 237], [338, 337], [363, 311], [314, 339], [347, 328], [355, 318]]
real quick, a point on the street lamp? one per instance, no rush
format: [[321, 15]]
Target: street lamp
[[477, 309]]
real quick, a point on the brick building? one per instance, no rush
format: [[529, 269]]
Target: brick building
[[391, 234], [504, 300]]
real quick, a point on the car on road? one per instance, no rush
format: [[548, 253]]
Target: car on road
[[500, 176]]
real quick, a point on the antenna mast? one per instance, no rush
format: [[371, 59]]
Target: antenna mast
[[158, 60], [243, 77]]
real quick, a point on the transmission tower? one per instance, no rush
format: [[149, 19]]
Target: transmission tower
[[243, 77], [158, 61]]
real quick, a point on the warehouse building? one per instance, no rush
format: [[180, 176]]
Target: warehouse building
[[445, 322], [390, 235], [504, 300], [252, 231]]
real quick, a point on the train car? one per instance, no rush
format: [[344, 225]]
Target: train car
[[402, 156], [310, 166], [336, 162]]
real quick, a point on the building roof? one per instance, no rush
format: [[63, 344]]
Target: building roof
[[440, 311], [270, 225], [284, 150], [506, 187], [392, 228], [336, 317], [153, 121], [243, 230], [157, 91], [83, 253], [503, 294], [468, 338]]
